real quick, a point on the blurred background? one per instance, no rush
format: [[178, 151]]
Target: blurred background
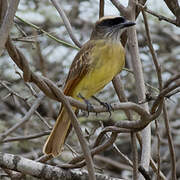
[[53, 59]]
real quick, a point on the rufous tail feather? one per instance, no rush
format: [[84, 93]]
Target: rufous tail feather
[[55, 141]]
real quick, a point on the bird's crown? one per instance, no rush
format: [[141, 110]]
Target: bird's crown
[[110, 27]]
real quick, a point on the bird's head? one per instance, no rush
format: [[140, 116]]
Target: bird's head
[[110, 27]]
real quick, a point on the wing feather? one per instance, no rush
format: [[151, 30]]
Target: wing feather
[[79, 67]]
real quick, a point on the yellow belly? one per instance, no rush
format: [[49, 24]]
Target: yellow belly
[[107, 60]]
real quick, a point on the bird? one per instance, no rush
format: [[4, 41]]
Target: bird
[[98, 61]]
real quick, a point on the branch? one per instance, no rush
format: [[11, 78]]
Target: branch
[[22, 138], [140, 84], [120, 7], [160, 17], [118, 85], [173, 5], [163, 94], [158, 71], [121, 106], [7, 23], [171, 80], [43, 171], [46, 33], [101, 8], [25, 118], [49, 88], [66, 21], [99, 148], [154, 56], [52, 91], [170, 142]]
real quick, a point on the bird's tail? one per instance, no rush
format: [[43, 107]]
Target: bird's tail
[[58, 135]]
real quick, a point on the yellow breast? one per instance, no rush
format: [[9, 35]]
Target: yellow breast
[[107, 60]]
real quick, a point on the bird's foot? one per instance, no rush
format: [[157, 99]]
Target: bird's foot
[[105, 104], [89, 105]]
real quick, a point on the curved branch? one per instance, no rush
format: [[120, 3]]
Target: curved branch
[[97, 149], [163, 94]]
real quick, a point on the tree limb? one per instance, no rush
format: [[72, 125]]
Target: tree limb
[[43, 171]]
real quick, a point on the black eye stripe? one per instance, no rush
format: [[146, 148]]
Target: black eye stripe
[[112, 22]]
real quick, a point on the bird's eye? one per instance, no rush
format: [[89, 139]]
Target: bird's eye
[[112, 22]]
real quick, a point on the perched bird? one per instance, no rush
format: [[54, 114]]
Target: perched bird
[[94, 66]]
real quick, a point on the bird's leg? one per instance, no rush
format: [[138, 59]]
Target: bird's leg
[[105, 104], [89, 105]]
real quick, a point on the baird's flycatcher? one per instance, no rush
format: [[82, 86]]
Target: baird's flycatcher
[[94, 66]]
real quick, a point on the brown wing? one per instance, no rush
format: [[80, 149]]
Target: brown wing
[[79, 67]]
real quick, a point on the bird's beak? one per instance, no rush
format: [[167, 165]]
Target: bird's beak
[[127, 24]]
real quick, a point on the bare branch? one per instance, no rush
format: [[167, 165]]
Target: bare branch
[[160, 17], [51, 89], [25, 118], [47, 34], [120, 7], [171, 80], [99, 148], [22, 138], [163, 94], [66, 21], [7, 23], [154, 57], [40, 170], [121, 95], [173, 5], [158, 71], [140, 86], [170, 142]]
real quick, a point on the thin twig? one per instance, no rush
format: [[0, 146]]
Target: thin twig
[[170, 142], [25, 100], [163, 94], [12, 91], [67, 24], [155, 169], [25, 118], [154, 57], [135, 156], [48, 34], [113, 163], [171, 80], [22, 138], [97, 149], [160, 17]]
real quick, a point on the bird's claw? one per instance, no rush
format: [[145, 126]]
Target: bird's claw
[[89, 105], [106, 105]]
